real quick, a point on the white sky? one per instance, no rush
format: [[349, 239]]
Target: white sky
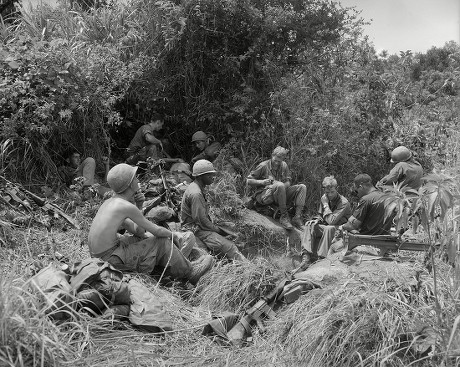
[[417, 25]]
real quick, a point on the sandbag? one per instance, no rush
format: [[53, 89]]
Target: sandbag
[[147, 311], [160, 214], [53, 282]]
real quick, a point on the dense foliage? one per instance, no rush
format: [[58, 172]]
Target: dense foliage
[[252, 73]]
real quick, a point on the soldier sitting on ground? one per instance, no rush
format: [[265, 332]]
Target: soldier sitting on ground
[[271, 181], [369, 216], [195, 214], [144, 144], [74, 167], [137, 252], [319, 232], [208, 151], [407, 170]]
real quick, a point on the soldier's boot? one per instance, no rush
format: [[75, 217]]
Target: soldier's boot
[[284, 219], [200, 267], [297, 218], [306, 261]]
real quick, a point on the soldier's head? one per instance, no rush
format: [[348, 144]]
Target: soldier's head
[[400, 154], [72, 158], [278, 156], [329, 186], [201, 140], [362, 185], [122, 177], [156, 122], [204, 172]]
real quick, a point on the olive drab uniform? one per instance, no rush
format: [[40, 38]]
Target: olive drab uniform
[[139, 148], [210, 153], [195, 217], [317, 238], [371, 213], [86, 169], [277, 192], [407, 173]]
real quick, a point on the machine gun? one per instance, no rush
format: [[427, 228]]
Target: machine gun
[[264, 307], [383, 242], [19, 194]]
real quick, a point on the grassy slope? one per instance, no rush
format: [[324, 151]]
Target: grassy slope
[[354, 325]]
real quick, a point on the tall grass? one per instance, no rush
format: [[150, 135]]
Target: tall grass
[[27, 336]]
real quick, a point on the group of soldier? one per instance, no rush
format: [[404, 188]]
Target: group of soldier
[[149, 245]]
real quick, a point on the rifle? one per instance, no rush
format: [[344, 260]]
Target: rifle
[[383, 242], [42, 203], [168, 193], [263, 308]]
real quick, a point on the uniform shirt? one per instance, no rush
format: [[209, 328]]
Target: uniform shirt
[[210, 153], [139, 141], [265, 170], [67, 174], [371, 213], [338, 212], [195, 209], [408, 173]]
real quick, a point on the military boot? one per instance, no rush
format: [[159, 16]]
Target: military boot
[[306, 261], [297, 218], [297, 221], [200, 267], [285, 221]]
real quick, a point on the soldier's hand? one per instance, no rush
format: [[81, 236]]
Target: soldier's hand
[[312, 222], [177, 239], [139, 196], [324, 200], [267, 181]]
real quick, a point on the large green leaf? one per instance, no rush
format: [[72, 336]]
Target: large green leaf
[[446, 201]]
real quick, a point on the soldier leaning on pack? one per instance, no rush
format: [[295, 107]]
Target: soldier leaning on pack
[[75, 167], [195, 214], [137, 252], [272, 182], [208, 151], [407, 170]]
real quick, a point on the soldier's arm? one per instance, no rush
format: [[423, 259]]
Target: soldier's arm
[[352, 224], [335, 217], [152, 140], [258, 178], [392, 177], [200, 216]]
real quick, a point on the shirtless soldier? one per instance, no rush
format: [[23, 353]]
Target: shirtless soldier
[[138, 252]]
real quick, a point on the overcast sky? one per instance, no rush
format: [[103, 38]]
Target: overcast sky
[[417, 25]]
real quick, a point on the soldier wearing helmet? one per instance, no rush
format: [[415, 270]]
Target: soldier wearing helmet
[[138, 251], [195, 214], [144, 144], [407, 170], [208, 151], [271, 181]]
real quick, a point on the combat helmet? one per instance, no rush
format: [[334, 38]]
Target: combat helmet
[[120, 177], [400, 154], [202, 167], [199, 136]]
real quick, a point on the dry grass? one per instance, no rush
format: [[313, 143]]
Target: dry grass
[[235, 286], [357, 325]]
